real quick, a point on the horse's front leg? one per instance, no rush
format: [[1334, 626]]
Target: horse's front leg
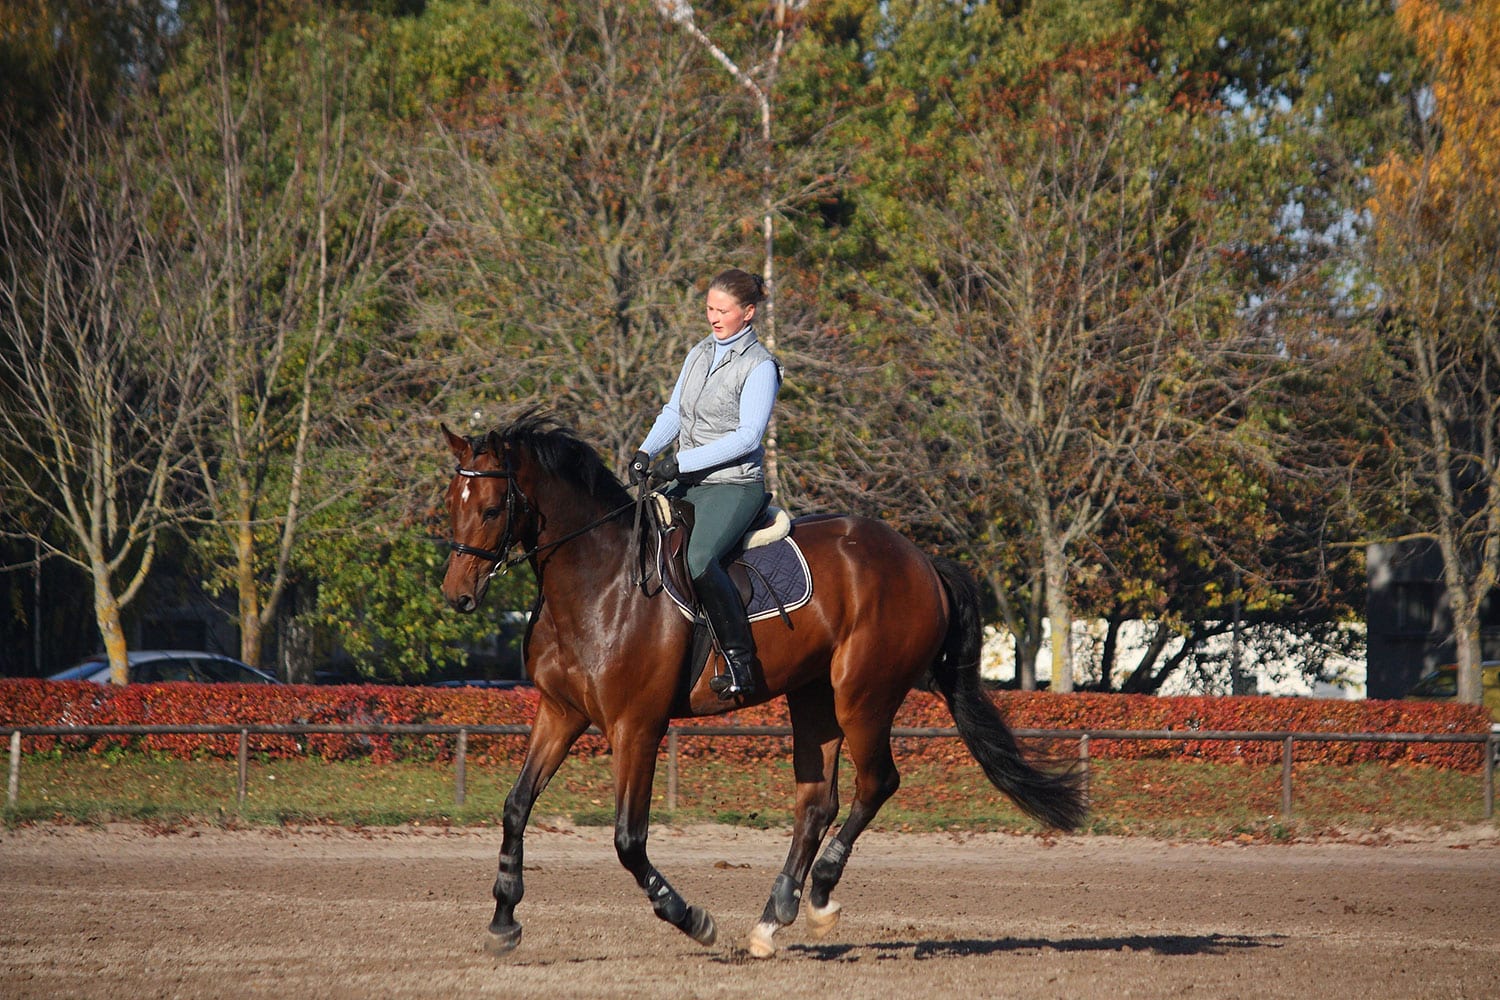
[[553, 734], [635, 769]]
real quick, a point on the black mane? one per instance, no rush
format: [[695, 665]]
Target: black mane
[[561, 453]]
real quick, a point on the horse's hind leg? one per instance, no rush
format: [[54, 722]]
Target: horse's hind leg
[[635, 768], [552, 734], [816, 738], [875, 781]]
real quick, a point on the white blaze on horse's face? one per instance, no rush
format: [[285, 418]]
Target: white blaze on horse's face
[[468, 505]]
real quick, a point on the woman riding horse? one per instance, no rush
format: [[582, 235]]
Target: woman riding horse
[[718, 414]]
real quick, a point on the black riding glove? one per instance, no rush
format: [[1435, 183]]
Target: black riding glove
[[666, 469], [639, 466]]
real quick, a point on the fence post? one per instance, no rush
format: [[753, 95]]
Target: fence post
[[672, 769], [1491, 747], [13, 788], [1286, 777], [460, 767], [242, 758], [1083, 761]]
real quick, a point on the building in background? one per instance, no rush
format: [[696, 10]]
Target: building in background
[[1410, 625]]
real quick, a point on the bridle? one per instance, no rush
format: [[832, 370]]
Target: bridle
[[516, 501]]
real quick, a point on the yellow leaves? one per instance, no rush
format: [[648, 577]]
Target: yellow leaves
[[1461, 48]]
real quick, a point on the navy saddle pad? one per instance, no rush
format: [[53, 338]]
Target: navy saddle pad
[[778, 574]]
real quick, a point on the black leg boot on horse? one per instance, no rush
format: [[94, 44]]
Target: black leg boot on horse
[[726, 619]]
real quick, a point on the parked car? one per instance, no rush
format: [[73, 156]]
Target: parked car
[[1442, 685], [151, 666]]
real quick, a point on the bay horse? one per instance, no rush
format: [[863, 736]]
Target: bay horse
[[602, 649]]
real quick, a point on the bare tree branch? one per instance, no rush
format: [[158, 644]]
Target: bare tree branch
[[102, 365]]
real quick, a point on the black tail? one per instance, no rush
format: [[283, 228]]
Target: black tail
[[1054, 799]]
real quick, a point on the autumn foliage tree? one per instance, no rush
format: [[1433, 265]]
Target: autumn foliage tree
[[1083, 316], [1435, 258]]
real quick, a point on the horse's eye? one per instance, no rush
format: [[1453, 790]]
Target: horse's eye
[[491, 513]]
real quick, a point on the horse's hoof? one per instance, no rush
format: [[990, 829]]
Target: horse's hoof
[[761, 944], [700, 926], [820, 921], [503, 940]]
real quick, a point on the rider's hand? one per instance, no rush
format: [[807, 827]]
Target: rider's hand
[[638, 467], [666, 469]]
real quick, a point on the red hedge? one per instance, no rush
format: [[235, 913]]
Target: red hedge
[[51, 703], [47, 703]]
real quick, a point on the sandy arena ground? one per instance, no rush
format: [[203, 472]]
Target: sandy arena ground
[[127, 912]]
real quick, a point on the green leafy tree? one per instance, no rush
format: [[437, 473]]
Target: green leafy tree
[[275, 157], [1279, 113], [378, 597], [1082, 311], [1221, 543]]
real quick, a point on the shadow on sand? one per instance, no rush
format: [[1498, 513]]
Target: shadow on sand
[[1156, 944]]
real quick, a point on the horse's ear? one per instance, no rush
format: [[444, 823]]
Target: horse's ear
[[458, 445]]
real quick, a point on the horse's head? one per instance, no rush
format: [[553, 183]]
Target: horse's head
[[532, 483], [485, 505]]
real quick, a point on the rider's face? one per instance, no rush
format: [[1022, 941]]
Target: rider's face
[[725, 314]]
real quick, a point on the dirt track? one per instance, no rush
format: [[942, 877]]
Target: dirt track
[[126, 912]]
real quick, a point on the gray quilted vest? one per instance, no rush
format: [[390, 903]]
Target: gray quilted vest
[[710, 404]]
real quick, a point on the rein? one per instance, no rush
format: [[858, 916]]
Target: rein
[[514, 499]]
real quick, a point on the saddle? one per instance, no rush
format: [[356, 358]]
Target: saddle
[[673, 520], [767, 569]]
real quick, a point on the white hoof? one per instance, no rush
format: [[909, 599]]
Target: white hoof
[[820, 921], [761, 944]]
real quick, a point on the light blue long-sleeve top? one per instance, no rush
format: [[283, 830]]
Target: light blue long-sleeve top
[[756, 401]]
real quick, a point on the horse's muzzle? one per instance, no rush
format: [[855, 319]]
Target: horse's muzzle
[[464, 593]]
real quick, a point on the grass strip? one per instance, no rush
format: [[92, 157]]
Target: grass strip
[[1188, 800]]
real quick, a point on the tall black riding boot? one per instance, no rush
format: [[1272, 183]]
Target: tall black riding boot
[[726, 617]]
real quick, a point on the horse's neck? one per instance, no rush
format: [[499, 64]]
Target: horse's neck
[[595, 550]]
